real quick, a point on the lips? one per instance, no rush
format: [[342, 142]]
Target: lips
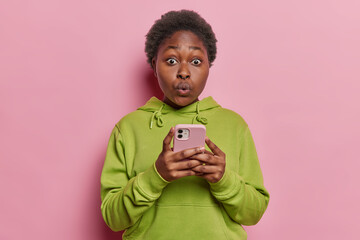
[[183, 88]]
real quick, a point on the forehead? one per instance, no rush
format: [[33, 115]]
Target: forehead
[[182, 39]]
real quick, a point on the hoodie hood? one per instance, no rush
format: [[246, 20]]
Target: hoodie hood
[[158, 109]]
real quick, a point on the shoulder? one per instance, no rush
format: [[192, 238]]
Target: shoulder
[[134, 118], [231, 116]]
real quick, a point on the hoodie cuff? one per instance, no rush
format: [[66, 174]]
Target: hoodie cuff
[[151, 182], [225, 185]]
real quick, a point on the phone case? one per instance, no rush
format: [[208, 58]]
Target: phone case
[[189, 136]]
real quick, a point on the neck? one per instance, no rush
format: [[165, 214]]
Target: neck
[[173, 105]]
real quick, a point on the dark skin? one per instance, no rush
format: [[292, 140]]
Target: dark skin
[[181, 60], [182, 68]]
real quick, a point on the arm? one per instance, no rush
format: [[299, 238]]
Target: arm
[[242, 193], [125, 200]]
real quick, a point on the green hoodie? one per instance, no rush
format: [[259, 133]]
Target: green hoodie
[[136, 198]]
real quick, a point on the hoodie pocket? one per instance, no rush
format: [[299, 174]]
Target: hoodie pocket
[[187, 222]]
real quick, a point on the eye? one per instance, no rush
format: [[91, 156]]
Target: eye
[[196, 61], [171, 61]]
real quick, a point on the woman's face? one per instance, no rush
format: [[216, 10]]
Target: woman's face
[[182, 68]]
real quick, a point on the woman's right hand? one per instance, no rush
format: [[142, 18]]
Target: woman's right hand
[[174, 165]]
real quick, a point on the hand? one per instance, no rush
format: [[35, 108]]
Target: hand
[[213, 163], [171, 165]]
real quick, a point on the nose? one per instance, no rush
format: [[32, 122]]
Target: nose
[[183, 72]]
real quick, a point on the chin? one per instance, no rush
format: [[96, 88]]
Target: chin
[[184, 100]]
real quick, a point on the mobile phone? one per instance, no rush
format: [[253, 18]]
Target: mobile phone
[[189, 136]]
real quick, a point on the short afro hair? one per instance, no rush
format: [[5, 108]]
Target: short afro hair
[[174, 21]]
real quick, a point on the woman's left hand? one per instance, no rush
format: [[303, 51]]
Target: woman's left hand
[[214, 162]]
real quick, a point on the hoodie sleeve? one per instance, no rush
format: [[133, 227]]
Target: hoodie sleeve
[[124, 199], [242, 193]]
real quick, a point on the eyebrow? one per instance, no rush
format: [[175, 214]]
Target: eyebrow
[[191, 48]]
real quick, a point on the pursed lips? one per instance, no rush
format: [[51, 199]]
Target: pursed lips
[[183, 88]]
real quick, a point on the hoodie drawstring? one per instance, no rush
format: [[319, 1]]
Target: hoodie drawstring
[[158, 116], [199, 118]]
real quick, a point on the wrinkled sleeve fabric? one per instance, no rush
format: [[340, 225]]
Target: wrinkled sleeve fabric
[[124, 199], [242, 192]]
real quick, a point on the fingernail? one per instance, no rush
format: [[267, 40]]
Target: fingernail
[[202, 149]]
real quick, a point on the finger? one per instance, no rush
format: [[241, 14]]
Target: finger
[[167, 140], [217, 151], [206, 158], [184, 154], [203, 175], [208, 152], [206, 169], [205, 151], [183, 173], [207, 176], [200, 174], [184, 165]]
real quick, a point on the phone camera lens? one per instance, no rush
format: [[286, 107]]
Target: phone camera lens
[[180, 136], [180, 131]]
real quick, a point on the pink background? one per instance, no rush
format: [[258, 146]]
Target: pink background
[[69, 70]]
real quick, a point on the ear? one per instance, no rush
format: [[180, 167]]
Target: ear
[[153, 64]]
